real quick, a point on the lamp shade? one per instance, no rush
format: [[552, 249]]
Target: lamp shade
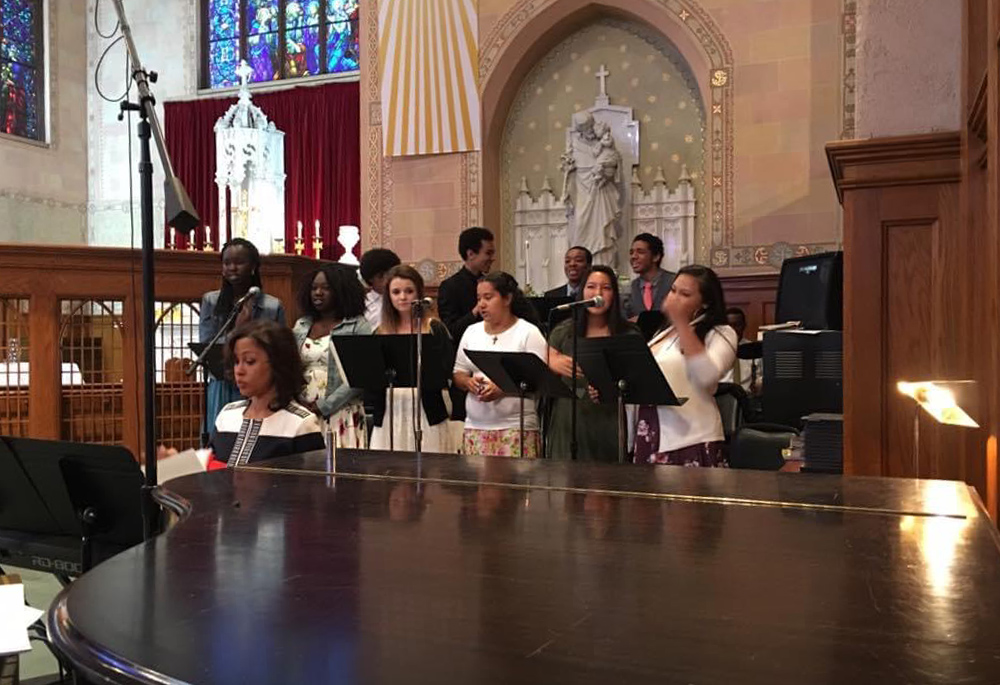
[[940, 399]]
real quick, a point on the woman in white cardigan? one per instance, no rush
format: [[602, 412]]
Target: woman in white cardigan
[[693, 353]]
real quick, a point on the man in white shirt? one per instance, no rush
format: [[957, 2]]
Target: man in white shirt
[[375, 264], [741, 371]]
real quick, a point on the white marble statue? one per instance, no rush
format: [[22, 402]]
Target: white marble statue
[[250, 172], [592, 160]]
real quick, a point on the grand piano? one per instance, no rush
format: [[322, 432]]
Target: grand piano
[[379, 568]]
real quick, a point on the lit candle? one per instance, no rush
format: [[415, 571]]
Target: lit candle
[[299, 229], [191, 239], [316, 232], [173, 239]]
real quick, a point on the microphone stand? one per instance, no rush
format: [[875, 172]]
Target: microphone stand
[[572, 439], [417, 319], [182, 215], [200, 361]]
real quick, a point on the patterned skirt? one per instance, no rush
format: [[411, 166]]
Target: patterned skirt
[[348, 427], [501, 443], [711, 454]]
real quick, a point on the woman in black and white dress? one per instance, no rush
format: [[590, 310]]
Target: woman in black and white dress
[[269, 422]]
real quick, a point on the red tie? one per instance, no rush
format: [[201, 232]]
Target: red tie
[[647, 295]]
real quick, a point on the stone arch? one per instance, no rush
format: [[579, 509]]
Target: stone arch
[[528, 30]]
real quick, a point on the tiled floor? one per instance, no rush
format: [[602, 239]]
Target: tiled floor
[[39, 589]]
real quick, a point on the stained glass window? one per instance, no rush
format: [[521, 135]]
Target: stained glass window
[[279, 39], [21, 77]]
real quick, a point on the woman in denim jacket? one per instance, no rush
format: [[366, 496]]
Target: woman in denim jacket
[[334, 304], [240, 272]]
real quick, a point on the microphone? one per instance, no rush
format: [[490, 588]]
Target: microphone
[[596, 301], [423, 302], [253, 292]]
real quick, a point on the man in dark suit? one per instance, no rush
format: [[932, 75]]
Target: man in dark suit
[[651, 284], [457, 294], [575, 265]]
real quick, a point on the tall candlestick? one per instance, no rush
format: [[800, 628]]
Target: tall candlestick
[[527, 271], [317, 246]]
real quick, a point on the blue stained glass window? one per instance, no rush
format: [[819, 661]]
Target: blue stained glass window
[[302, 52], [223, 59], [20, 68], [224, 18], [262, 16], [279, 39], [263, 57], [342, 47]]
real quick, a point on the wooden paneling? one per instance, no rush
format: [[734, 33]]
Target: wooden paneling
[[921, 278], [756, 295], [49, 275], [909, 298]]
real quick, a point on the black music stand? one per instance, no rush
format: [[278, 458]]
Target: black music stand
[[623, 370], [212, 363], [519, 374], [650, 323], [545, 307], [376, 363], [71, 495]]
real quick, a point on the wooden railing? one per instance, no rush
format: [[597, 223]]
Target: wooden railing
[[102, 342]]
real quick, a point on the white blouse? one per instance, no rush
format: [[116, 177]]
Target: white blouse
[[695, 378], [502, 414]]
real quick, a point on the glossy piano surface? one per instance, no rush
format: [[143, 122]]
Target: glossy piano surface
[[498, 571]]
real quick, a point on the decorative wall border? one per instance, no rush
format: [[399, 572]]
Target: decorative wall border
[[80, 207]]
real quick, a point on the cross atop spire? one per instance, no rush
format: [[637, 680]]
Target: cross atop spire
[[244, 72], [602, 75]]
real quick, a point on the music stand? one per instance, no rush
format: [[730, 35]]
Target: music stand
[[623, 370], [376, 363], [213, 363], [545, 307], [649, 323], [90, 494], [519, 373]]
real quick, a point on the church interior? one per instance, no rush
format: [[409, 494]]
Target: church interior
[[811, 184]]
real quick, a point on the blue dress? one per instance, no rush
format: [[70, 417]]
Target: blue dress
[[221, 391]]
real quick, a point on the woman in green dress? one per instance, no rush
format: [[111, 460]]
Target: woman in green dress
[[596, 424]]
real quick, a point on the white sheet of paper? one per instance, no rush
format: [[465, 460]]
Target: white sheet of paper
[[13, 634], [181, 464], [31, 614]]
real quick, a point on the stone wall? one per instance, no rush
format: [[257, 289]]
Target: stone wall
[[166, 37], [908, 67], [43, 187]]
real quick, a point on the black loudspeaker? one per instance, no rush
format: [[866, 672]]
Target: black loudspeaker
[[803, 374], [811, 290]]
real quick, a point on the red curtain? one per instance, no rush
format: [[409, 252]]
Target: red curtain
[[322, 159]]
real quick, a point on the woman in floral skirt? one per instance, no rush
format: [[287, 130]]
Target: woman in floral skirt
[[492, 424]]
